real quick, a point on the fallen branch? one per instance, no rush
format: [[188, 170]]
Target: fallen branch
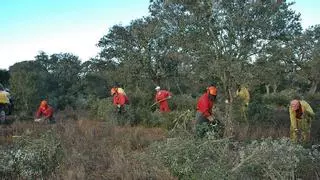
[[243, 161]]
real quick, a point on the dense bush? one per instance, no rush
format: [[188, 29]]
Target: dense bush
[[183, 102], [282, 98], [103, 109], [224, 159], [259, 113], [31, 158], [314, 101], [140, 112]]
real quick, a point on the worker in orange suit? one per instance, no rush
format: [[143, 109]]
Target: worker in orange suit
[[119, 100], [204, 115], [161, 98], [45, 112]]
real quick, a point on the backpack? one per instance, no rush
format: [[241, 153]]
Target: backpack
[[127, 100]]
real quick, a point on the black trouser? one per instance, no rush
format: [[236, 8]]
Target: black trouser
[[2, 113], [10, 107], [49, 120], [120, 110], [202, 125]]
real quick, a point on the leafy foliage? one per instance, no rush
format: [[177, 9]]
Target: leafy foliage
[[4, 77], [28, 84], [31, 158], [183, 46], [224, 159]]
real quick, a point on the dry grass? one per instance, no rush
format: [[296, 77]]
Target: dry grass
[[95, 149], [9, 132], [98, 150], [101, 150], [259, 132]]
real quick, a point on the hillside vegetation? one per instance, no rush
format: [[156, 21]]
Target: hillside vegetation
[[182, 46]]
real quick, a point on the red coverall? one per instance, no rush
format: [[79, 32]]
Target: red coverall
[[161, 99], [204, 105], [119, 99], [45, 111]]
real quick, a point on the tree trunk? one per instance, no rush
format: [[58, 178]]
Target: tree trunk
[[229, 125], [275, 88], [178, 86], [314, 87], [268, 88], [168, 85]]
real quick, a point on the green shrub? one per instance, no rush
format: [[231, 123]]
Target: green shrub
[[268, 159], [174, 120], [188, 158], [103, 109], [268, 112], [259, 113], [140, 112], [314, 101], [155, 119], [282, 98], [182, 102], [7, 169], [183, 120], [31, 158]]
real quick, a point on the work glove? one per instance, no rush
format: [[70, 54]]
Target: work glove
[[210, 118], [118, 105], [38, 119]]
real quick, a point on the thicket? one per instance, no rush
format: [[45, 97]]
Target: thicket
[[190, 158], [31, 157]]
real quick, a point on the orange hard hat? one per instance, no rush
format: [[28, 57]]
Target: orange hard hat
[[113, 91], [212, 90], [295, 104], [43, 103]]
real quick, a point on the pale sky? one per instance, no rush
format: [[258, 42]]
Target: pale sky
[[54, 26], [75, 26]]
